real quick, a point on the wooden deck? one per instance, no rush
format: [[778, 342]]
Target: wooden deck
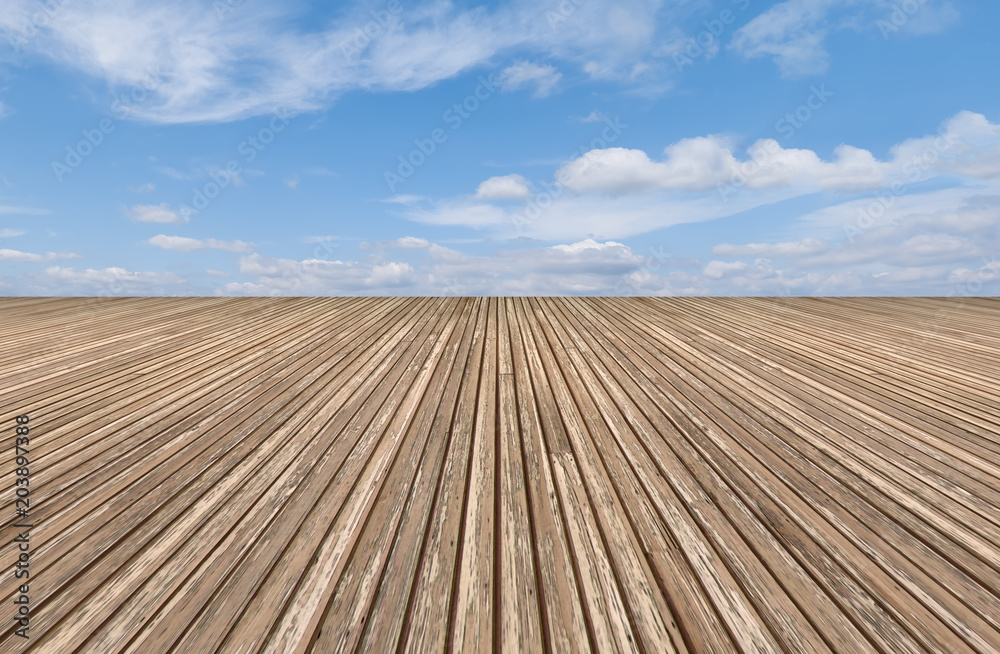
[[525, 475]]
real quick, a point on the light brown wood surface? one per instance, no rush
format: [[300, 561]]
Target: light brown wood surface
[[505, 474]]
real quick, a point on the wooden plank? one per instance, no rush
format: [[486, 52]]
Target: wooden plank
[[518, 474]]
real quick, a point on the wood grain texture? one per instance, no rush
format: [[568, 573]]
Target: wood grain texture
[[542, 475]]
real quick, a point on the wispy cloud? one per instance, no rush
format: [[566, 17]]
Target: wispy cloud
[[184, 244], [154, 213], [254, 61], [173, 173], [794, 32], [16, 255], [525, 73]]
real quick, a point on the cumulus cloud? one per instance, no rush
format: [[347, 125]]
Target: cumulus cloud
[[616, 192], [154, 213], [703, 163], [524, 73], [507, 187], [184, 244], [968, 144]]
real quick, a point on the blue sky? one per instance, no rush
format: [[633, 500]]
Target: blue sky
[[249, 147]]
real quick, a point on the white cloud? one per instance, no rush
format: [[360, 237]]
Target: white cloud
[[719, 269], [173, 173], [16, 255], [794, 248], [570, 216], [703, 163], [524, 73], [4, 110], [924, 244], [794, 32], [197, 67], [932, 228], [184, 244], [974, 279], [563, 269], [619, 192], [154, 213], [318, 277], [148, 187], [416, 266], [57, 280], [404, 199], [461, 212], [594, 116], [589, 245], [410, 242], [506, 187], [11, 233], [968, 144]]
